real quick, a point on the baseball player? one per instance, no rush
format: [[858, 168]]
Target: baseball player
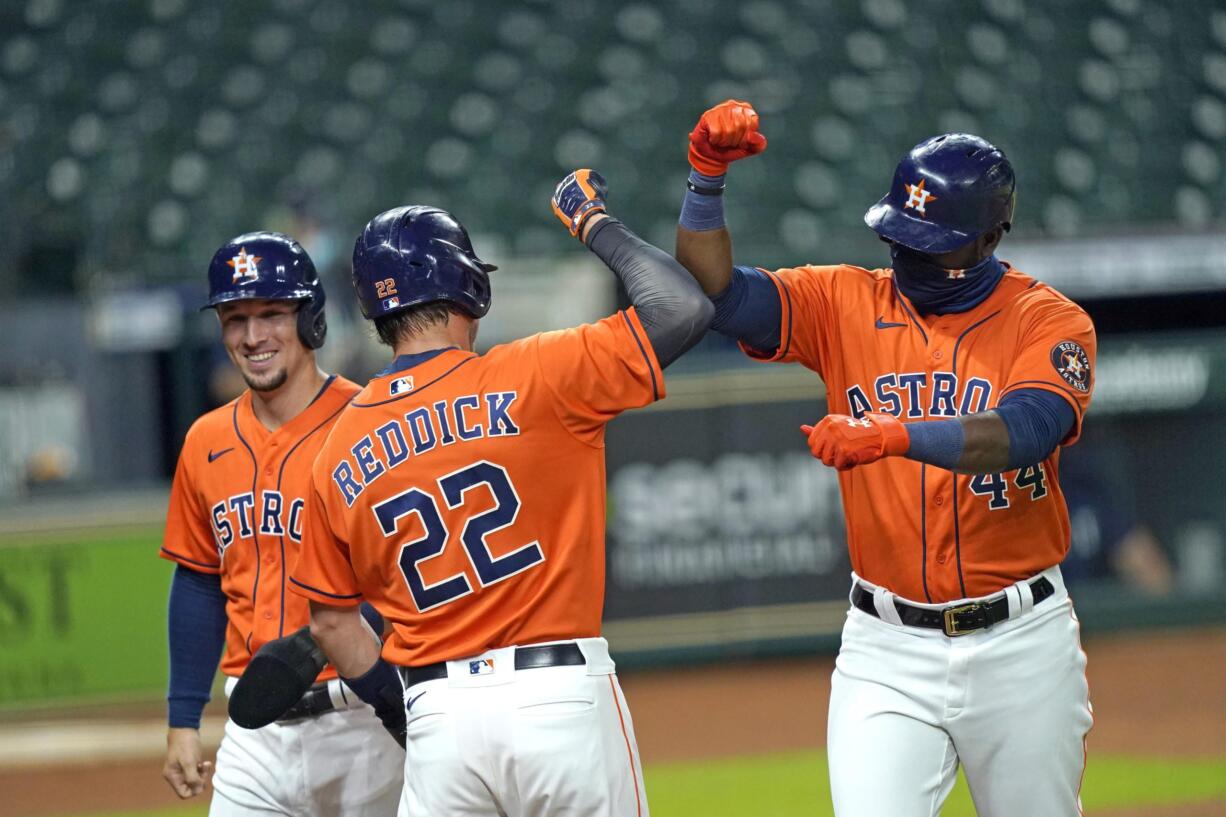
[[952, 382], [464, 496], [236, 520]]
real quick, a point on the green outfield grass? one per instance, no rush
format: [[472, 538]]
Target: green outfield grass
[[796, 784], [789, 785]]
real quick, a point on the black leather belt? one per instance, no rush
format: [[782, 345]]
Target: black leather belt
[[316, 701], [534, 657], [956, 620]]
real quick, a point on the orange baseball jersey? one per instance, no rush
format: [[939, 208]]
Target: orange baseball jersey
[[463, 495], [923, 532], [237, 507]]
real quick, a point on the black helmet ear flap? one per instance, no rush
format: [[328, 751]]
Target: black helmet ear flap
[[312, 323]]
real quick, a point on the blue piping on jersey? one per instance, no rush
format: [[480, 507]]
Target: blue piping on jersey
[[322, 389], [924, 532], [958, 540], [324, 592], [957, 527], [903, 303], [923, 466], [405, 362], [655, 389], [178, 556], [255, 478], [280, 474], [966, 332], [787, 344]]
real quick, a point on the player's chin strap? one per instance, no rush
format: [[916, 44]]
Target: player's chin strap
[[939, 291]]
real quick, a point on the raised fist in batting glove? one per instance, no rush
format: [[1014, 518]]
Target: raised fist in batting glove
[[578, 197], [725, 133], [845, 442]]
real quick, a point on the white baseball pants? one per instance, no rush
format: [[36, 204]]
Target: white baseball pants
[[339, 764], [542, 742], [1009, 703]]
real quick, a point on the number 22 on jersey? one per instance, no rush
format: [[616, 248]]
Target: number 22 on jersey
[[452, 488]]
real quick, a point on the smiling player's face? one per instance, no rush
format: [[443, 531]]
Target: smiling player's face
[[261, 338]]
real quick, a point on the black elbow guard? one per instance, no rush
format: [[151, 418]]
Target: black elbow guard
[[279, 674]]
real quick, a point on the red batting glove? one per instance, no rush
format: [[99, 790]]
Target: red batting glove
[[845, 442], [725, 133]]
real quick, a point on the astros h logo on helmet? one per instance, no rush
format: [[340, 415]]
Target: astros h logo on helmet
[[917, 197], [246, 267]]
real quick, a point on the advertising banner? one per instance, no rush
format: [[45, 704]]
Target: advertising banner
[[82, 616]]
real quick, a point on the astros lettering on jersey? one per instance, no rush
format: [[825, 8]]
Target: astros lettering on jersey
[[964, 535], [237, 508], [465, 497]]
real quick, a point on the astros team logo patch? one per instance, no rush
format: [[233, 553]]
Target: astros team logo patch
[[246, 267], [917, 197], [1072, 363]]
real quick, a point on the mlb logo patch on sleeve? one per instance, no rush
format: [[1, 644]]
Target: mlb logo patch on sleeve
[[482, 666], [401, 385]]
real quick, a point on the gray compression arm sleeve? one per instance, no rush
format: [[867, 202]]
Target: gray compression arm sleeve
[[673, 310]]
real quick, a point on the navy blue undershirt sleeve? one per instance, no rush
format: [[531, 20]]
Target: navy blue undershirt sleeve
[[1038, 420], [749, 310], [936, 442], [372, 617], [196, 629]]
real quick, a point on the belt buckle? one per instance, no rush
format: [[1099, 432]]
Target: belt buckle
[[950, 621]]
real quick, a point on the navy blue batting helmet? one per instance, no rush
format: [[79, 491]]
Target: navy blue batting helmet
[[417, 254], [274, 267], [947, 192]]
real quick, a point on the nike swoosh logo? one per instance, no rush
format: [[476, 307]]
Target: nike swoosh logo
[[884, 324], [213, 456], [409, 707]]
